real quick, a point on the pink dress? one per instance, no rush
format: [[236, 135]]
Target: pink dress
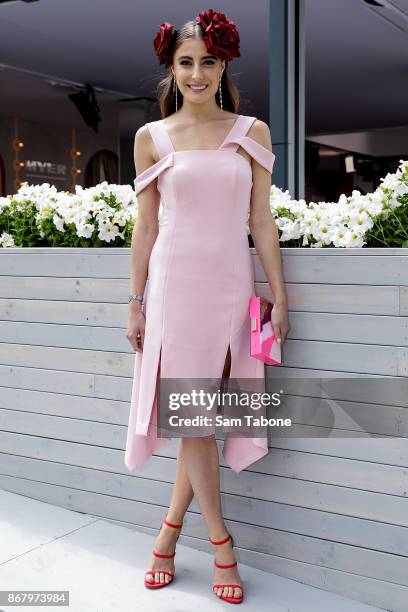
[[200, 280]]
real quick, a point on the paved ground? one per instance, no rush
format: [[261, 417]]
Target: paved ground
[[102, 566]]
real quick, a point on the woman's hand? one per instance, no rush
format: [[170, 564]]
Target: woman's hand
[[136, 328], [280, 321]]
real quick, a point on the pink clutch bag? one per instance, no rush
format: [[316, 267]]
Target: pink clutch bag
[[263, 343]]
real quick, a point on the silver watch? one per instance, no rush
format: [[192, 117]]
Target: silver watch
[[135, 296]]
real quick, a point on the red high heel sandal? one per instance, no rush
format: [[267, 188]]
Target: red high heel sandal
[[156, 585], [226, 597]]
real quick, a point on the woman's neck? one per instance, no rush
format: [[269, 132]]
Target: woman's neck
[[199, 113]]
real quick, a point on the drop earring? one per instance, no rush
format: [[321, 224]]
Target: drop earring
[[175, 89], [220, 93]]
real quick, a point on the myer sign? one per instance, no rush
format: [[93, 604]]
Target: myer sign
[[41, 169]]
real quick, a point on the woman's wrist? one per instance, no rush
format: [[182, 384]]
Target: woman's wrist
[[135, 305], [281, 300]]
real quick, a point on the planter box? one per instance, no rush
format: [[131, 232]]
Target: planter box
[[332, 513]]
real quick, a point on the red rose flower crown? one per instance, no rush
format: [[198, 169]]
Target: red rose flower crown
[[220, 36]]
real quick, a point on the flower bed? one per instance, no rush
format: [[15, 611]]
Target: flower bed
[[41, 216]]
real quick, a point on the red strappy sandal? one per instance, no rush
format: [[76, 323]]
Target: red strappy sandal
[[226, 597], [156, 585]]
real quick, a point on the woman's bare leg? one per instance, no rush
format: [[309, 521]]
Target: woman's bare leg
[[166, 540], [202, 466]]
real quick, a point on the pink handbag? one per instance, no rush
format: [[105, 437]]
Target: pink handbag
[[263, 343]]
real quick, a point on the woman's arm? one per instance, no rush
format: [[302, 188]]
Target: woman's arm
[[264, 232], [144, 234], [146, 225]]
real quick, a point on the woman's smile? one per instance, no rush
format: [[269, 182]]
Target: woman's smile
[[197, 88]]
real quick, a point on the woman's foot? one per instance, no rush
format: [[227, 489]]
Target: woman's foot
[[165, 544], [224, 555]]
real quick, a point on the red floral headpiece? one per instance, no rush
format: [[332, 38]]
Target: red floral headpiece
[[220, 36], [163, 43]]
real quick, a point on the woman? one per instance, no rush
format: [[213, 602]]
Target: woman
[[195, 322]]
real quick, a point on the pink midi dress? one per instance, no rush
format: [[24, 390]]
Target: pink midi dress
[[200, 280]]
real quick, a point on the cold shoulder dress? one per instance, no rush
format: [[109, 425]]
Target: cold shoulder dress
[[200, 280]]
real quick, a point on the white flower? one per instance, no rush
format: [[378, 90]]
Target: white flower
[[120, 218], [108, 232], [85, 230], [59, 223], [361, 221], [6, 240], [4, 202]]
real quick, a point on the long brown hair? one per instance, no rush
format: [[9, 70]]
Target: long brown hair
[[167, 100]]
